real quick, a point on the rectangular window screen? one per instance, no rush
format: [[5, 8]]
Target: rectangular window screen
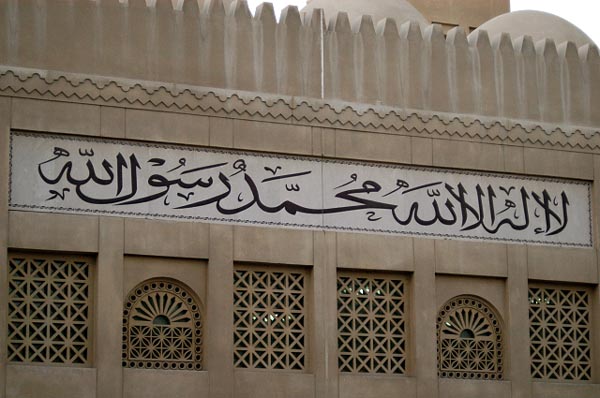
[[371, 323], [269, 318], [49, 309], [559, 332]]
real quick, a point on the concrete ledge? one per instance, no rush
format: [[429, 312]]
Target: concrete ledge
[[493, 290], [57, 117], [562, 264], [372, 386], [561, 390], [151, 383], [471, 258], [166, 238], [190, 272], [45, 231], [273, 245], [274, 137], [468, 155], [559, 163], [459, 388], [369, 146], [166, 126], [265, 384], [378, 252], [25, 381]]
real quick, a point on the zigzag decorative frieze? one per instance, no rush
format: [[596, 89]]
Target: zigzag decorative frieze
[[383, 65], [30, 83]]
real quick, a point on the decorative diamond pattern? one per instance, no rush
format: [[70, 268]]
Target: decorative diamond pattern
[[371, 324], [269, 319], [559, 332], [49, 309], [469, 340], [162, 327]]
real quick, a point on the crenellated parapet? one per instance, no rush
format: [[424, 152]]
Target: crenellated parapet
[[415, 68], [209, 44]]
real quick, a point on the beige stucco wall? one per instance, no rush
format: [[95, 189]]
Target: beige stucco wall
[[203, 256]]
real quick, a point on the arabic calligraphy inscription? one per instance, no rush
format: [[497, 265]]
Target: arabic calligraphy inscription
[[82, 175]]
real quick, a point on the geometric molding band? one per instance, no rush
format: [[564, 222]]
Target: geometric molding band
[[49, 309], [31, 83], [371, 323], [269, 318], [470, 343], [560, 333], [162, 327]]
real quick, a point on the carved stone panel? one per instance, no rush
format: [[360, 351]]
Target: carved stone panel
[[49, 317], [123, 178]]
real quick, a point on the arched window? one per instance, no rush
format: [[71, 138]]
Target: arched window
[[162, 327], [469, 340]]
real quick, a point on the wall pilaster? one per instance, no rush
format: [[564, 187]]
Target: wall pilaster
[[518, 360], [425, 310], [324, 346], [219, 317], [4, 159], [109, 307]]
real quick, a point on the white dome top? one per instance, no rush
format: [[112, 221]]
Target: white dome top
[[537, 24], [400, 10]]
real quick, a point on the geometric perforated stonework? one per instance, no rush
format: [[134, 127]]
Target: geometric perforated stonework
[[48, 309], [269, 319], [162, 327], [371, 324], [469, 340], [559, 332]]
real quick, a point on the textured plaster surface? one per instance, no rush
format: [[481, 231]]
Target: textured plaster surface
[[251, 83]]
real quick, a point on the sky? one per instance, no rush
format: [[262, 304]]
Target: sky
[[582, 13]]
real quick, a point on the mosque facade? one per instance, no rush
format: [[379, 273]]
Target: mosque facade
[[355, 199]]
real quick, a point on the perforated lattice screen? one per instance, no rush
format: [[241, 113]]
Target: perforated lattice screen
[[469, 340], [559, 332], [162, 326], [269, 319], [371, 324], [49, 309]]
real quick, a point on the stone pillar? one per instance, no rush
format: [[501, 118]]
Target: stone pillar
[[424, 319], [596, 292], [516, 342], [324, 347], [219, 318], [595, 340], [4, 165], [109, 307]]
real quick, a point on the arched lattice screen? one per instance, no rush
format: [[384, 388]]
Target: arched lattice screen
[[162, 327], [469, 340]]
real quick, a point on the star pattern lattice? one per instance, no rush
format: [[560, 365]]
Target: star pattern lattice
[[49, 310], [269, 319], [559, 332], [371, 324]]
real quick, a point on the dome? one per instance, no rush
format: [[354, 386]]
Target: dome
[[537, 24], [400, 10]]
